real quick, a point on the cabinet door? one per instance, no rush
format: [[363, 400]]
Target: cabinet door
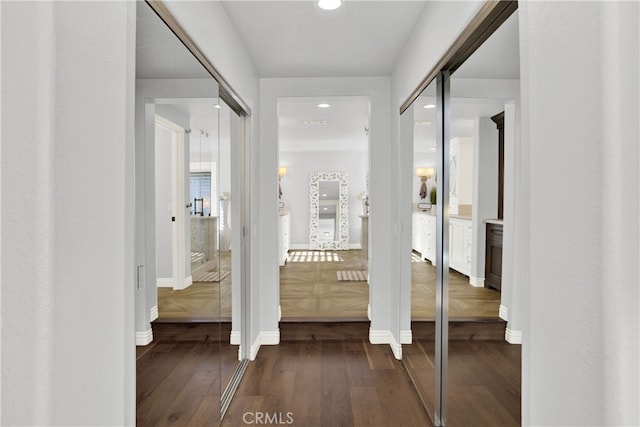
[[430, 239], [493, 257], [457, 245]]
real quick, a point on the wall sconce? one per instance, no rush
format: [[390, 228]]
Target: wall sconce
[[282, 172], [424, 174]]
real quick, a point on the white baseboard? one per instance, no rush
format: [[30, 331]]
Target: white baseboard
[[153, 313], [386, 337], [369, 312], [188, 281], [478, 282], [164, 282], [305, 247], [144, 337], [234, 339], [513, 337], [264, 338], [299, 247], [503, 313], [406, 337]]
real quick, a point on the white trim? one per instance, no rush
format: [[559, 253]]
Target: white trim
[[503, 313], [188, 281], [369, 312], [164, 282], [478, 282], [264, 338], [279, 312], [305, 247], [386, 337], [406, 336], [270, 337], [153, 313], [144, 337], [301, 247], [513, 337], [379, 337], [234, 339]]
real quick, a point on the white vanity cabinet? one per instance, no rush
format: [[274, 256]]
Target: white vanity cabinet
[[284, 239], [423, 238], [460, 232]]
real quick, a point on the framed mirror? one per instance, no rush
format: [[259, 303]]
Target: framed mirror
[[329, 211]]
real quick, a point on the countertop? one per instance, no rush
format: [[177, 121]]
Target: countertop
[[433, 213], [494, 221]]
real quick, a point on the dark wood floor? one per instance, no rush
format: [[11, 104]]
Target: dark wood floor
[[483, 380], [321, 375], [327, 383]]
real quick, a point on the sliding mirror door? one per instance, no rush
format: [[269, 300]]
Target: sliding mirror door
[[483, 366], [190, 151], [419, 135], [464, 365]]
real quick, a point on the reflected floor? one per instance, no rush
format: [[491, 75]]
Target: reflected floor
[[309, 289], [201, 300]]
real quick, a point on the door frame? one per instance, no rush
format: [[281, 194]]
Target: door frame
[[178, 241]]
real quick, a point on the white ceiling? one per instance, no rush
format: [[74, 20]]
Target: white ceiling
[[346, 120], [298, 39]]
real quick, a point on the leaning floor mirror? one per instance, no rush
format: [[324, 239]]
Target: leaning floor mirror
[[329, 211]]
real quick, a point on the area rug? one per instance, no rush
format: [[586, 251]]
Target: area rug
[[210, 276], [352, 276]]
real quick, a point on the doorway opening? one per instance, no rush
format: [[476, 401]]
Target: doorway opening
[[323, 208]]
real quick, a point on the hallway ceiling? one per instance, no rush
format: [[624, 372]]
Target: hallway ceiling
[[298, 39]]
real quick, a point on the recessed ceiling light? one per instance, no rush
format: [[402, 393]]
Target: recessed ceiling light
[[315, 122], [432, 149], [423, 123], [217, 106], [430, 106], [324, 195], [329, 4], [324, 105], [326, 209]]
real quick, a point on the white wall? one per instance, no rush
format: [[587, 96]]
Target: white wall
[[164, 203], [295, 187], [485, 192], [581, 342], [68, 355]]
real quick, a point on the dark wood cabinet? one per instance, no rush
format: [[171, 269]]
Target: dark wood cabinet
[[493, 257]]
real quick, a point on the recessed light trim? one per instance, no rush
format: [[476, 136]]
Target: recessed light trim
[[329, 4], [217, 106], [423, 123], [324, 105], [429, 106], [315, 122]]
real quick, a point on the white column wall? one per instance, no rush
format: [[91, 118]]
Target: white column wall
[[485, 191], [579, 70], [68, 355]]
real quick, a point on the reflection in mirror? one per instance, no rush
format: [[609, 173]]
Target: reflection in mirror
[[481, 146], [329, 211], [419, 356], [484, 94], [176, 147]]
